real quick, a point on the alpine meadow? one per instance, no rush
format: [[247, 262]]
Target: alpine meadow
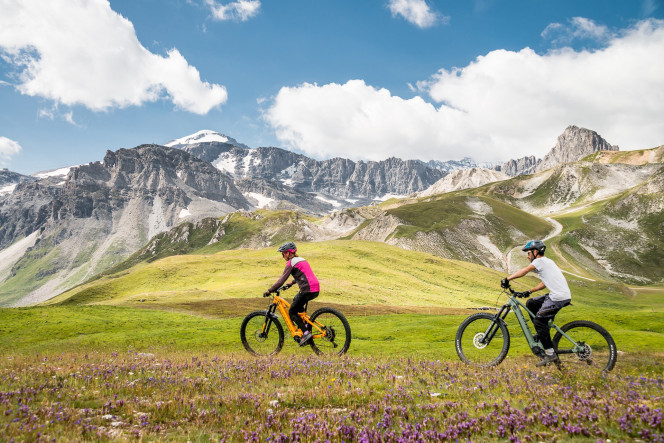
[[394, 221], [149, 348]]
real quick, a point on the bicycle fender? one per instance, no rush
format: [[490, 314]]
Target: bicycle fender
[[272, 315]]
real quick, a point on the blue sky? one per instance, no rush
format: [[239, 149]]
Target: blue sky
[[367, 80]]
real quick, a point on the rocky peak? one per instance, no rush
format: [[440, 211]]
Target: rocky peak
[[572, 145], [464, 179], [521, 166]]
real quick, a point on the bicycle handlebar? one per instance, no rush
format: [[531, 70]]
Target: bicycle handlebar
[[277, 291], [524, 294]]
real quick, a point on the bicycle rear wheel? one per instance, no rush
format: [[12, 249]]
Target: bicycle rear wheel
[[470, 345], [596, 348], [262, 334], [335, 339]]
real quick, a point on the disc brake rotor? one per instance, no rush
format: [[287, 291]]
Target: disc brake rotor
[[477, 340]]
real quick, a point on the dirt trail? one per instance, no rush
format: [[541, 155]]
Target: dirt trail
[[569, 264], [557, 229]]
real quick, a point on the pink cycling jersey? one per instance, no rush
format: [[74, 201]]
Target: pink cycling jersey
[[302, 273]]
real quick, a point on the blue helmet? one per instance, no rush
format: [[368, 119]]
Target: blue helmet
[[538, 245]]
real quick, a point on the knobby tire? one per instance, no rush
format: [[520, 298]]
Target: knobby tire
[[600, 350], [259, 344], [469, 347], [338, 337]]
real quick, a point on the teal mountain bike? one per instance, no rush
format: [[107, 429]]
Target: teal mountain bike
[[484, 340]]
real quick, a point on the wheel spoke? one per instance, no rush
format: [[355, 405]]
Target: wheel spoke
[[261, 335], [474, 346], [594, 348], [336, 337]]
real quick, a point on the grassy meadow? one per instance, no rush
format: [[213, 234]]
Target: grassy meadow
[[153, 353]]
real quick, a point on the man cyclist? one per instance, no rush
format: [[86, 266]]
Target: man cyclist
[[306, 281], [546, 306]]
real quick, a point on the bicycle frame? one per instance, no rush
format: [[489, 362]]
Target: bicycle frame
[[515, 305], [278, 302]]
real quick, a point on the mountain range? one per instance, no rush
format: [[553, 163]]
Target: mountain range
[[60, 228]]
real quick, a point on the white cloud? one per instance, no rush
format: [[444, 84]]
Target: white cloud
[[354, 120], [241, 10], [54, 112], [416, 12], [84, 53], [502, 105], [8, 148], [578, 28]]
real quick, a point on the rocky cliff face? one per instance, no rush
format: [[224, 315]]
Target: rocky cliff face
[[101, 214], [344, 180], [455, 165], [522, 166], [9, 180], [572, 145], [464, 179]]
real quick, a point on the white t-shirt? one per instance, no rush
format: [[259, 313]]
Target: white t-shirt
[[553, 278]]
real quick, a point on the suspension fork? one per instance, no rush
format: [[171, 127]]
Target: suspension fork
[[268, 319], [495, 324]]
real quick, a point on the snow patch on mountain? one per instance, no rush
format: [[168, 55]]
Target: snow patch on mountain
[[8, 189], [289, 170], [263, 201], [61, 172], [455, 165], [334, 203], [226, 163], [204, 136]]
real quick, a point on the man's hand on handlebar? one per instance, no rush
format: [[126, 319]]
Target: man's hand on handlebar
[[505, 283], [524, 294], [266, 294]]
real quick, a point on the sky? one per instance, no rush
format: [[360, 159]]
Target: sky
[[365, 80]]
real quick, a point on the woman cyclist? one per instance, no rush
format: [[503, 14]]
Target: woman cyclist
[[306, 281]]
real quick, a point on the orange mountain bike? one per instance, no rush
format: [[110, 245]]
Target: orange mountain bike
[[262, 333]]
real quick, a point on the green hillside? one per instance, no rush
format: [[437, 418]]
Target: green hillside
[[211, 235], [351, 272], [625, 231], [399, 302], [354, 274], [446, 212]]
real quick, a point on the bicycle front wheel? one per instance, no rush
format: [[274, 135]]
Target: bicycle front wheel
[[482, 340], [595, 347], [261, 334], [335, 336]]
